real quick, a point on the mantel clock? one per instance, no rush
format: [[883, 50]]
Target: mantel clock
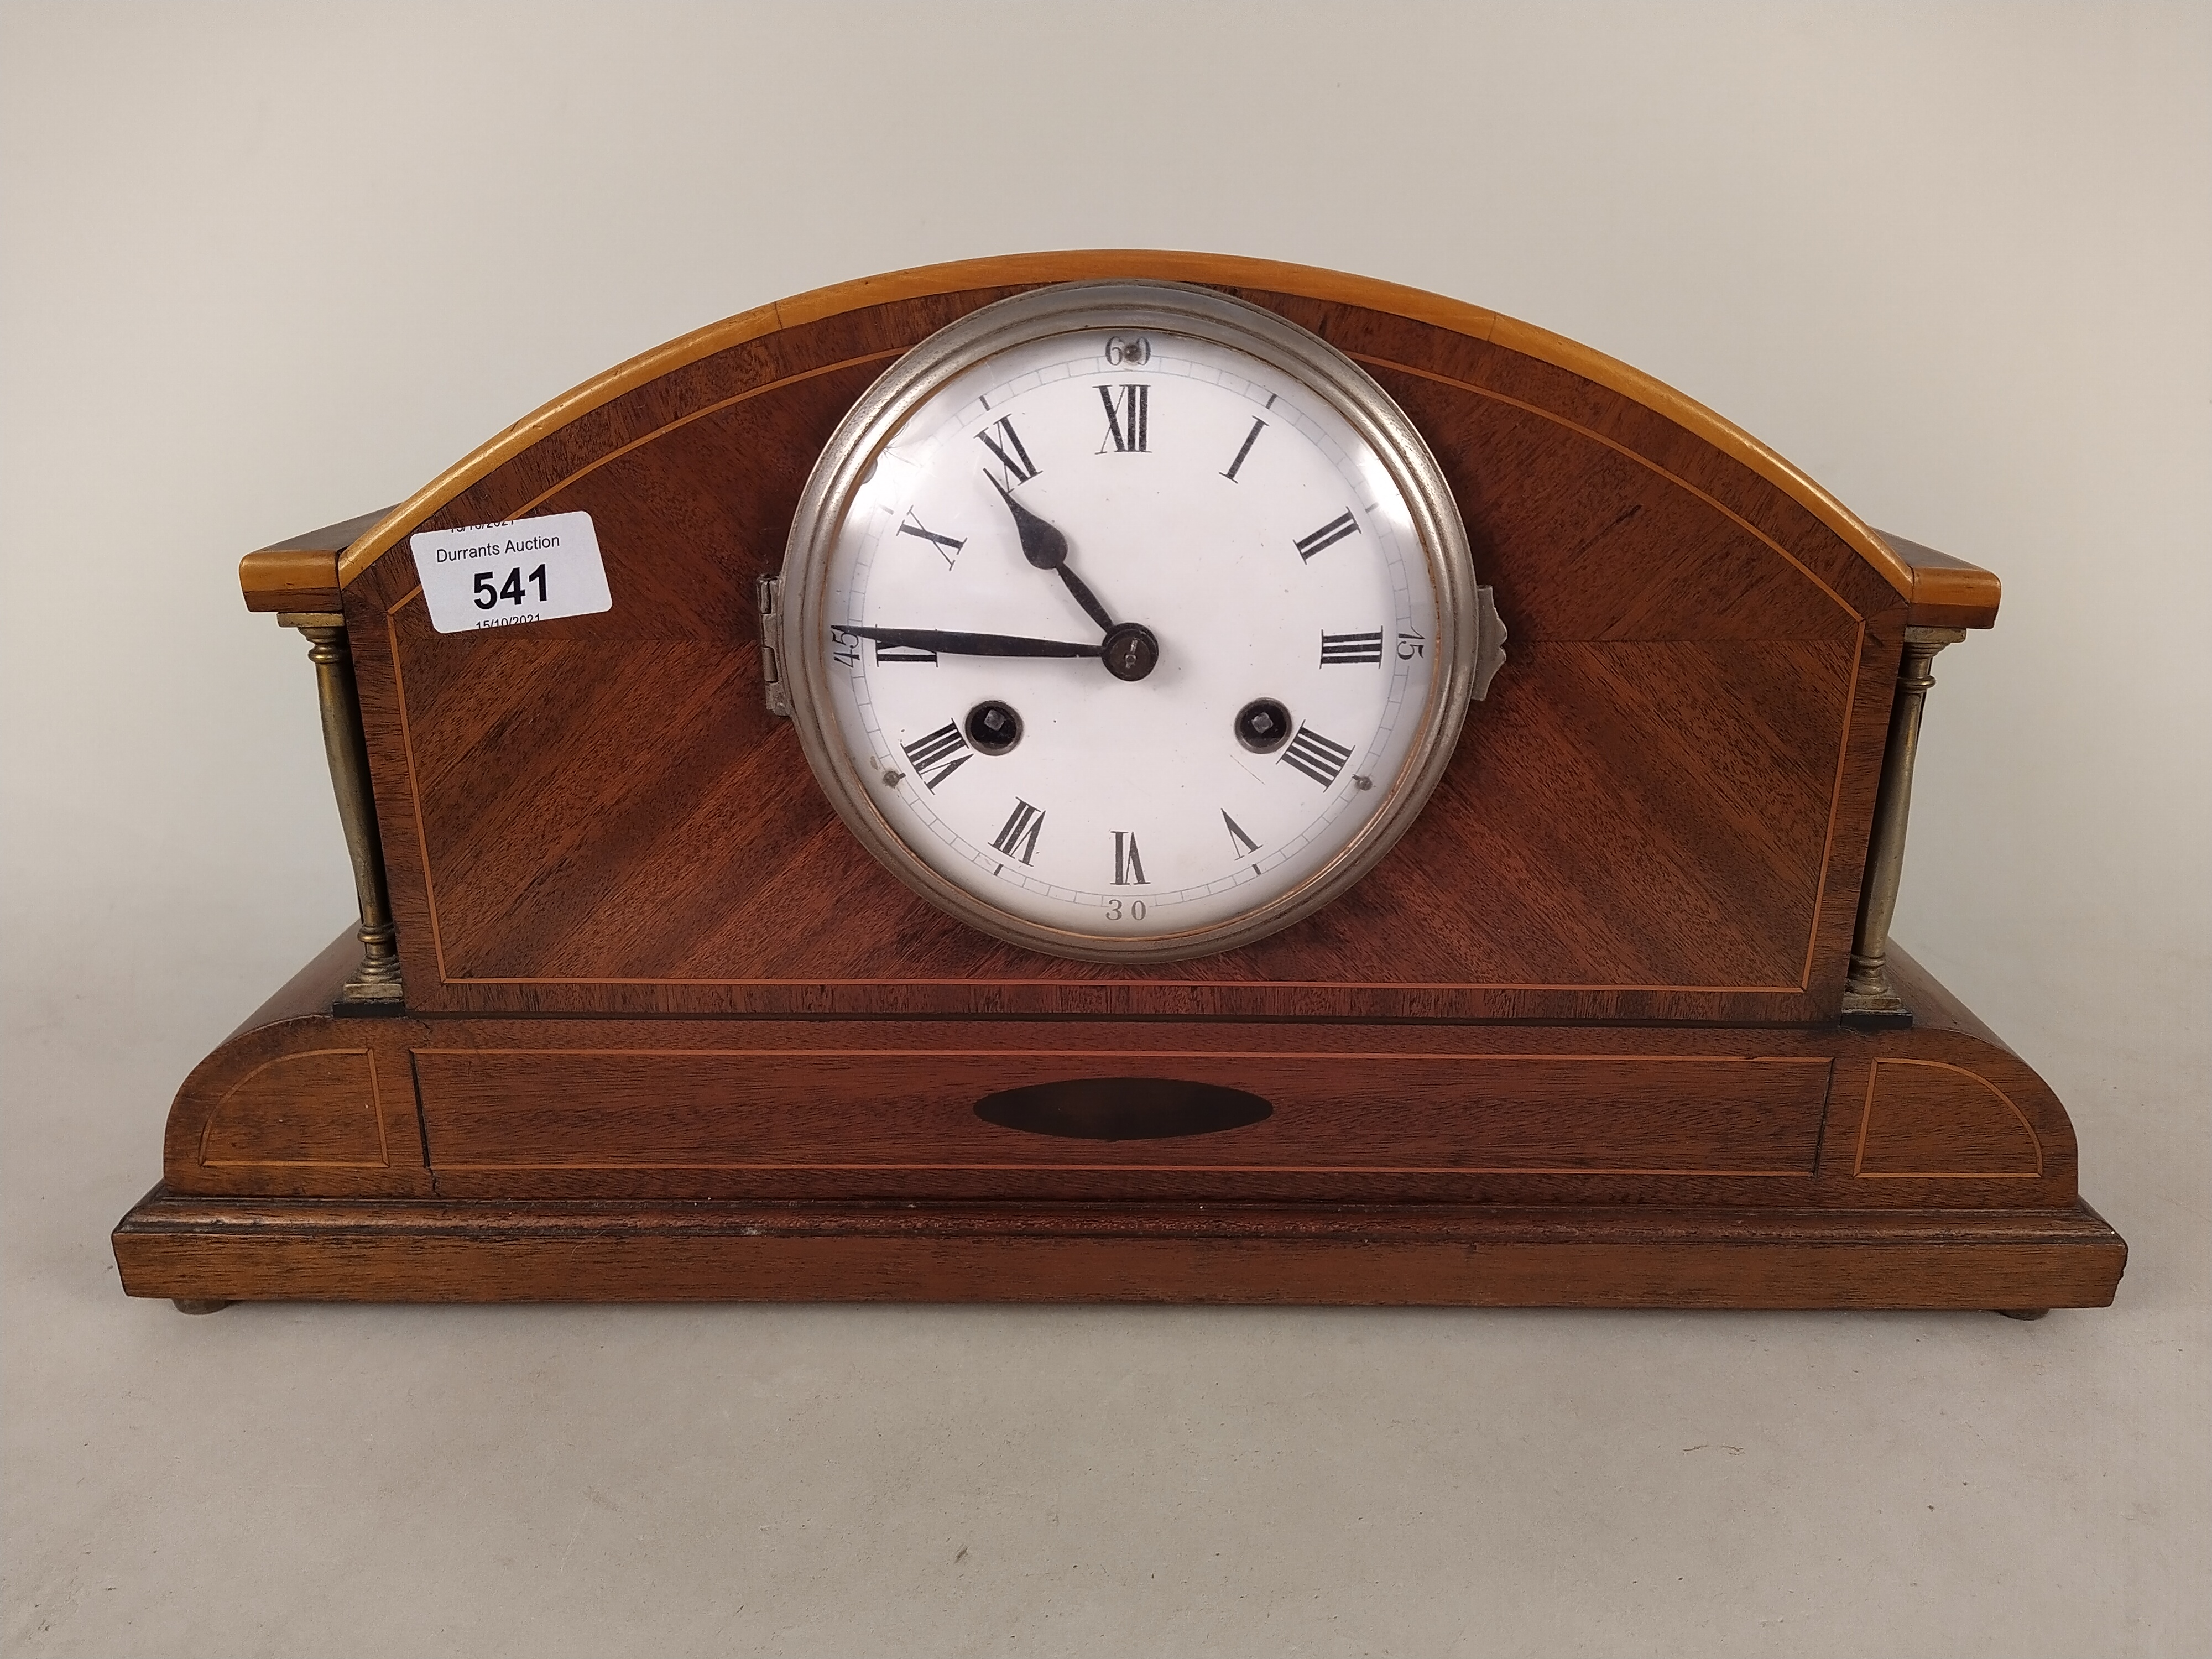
[[1121, 776]]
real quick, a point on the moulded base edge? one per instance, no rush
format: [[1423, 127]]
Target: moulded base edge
[[209, 1249]]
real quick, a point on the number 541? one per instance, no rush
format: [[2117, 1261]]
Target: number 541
[[490, 590]]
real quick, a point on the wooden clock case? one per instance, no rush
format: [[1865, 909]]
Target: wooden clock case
[[667, 1033]]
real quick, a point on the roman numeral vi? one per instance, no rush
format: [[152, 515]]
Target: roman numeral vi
[[1129, 868]]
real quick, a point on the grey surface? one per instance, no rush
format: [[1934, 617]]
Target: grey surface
[[266, 265]]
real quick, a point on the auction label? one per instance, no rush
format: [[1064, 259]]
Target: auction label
[[491, 575]]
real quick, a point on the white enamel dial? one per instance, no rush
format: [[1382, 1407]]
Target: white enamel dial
[[1128, 633]]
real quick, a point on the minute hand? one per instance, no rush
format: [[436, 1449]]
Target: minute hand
[[972, 645]]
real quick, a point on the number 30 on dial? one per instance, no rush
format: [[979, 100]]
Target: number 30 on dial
[[1127, 620]]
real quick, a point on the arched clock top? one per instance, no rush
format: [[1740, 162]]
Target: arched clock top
[[746, 355], [1664, 808]]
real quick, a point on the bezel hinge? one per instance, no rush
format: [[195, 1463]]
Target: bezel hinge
[[767, 595]]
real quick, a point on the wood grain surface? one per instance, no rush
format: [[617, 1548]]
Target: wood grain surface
[[301, 573], [669, 1034], [655, 1158], [1947, 592], [834, 1109], [1660, 813], [313, 1108], [1016, 271], [1437, 1255], [1926, 1119], [912, 1111]]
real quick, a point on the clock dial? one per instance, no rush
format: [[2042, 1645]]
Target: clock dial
[[1128, 634]]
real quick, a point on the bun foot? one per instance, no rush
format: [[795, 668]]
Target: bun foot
[[2023, 1313], [198, 1304]]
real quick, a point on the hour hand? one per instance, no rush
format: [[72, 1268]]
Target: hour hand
[[1044, 546], [951, 642]]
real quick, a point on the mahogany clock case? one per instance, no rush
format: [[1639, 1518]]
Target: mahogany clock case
[[668, 1033]]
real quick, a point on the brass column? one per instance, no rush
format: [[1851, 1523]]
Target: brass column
[[377, 978], [1868, 990]]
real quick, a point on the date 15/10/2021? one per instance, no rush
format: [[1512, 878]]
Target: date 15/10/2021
[[493, 576]]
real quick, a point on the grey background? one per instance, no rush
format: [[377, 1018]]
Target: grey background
[[265, 266]]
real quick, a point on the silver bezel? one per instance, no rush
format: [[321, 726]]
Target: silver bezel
[[1157, 308]]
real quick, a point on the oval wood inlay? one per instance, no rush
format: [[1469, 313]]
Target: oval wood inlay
[[1122, 1108]]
